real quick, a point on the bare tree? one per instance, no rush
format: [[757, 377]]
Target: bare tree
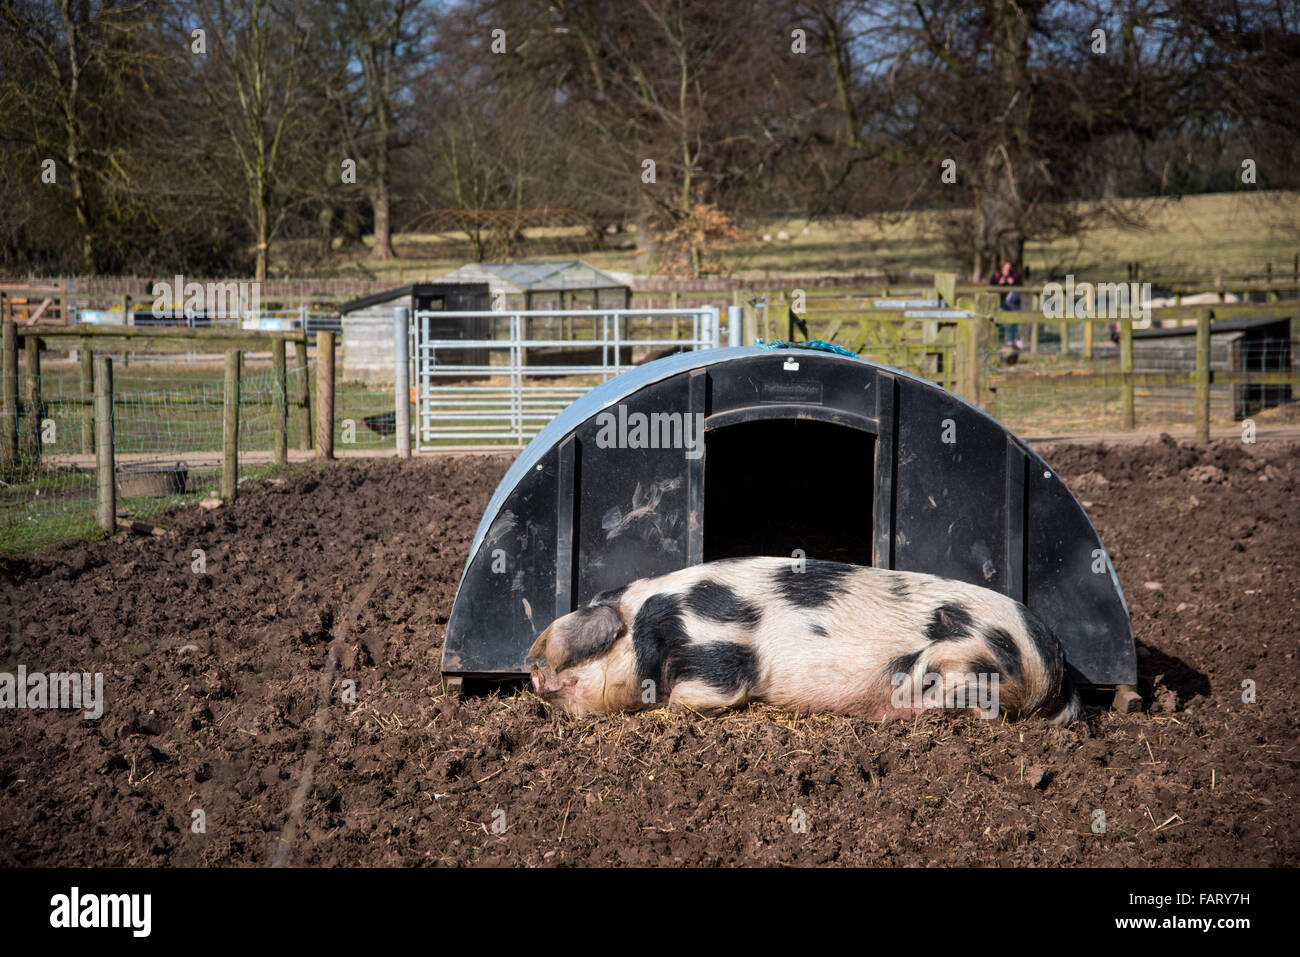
[[250, 84], [1004, 112], [1003, 121], [483, 150], [383, 49], [666, 104], [66, 62]]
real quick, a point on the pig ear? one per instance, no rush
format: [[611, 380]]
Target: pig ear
[[585, 634], [538, 651]]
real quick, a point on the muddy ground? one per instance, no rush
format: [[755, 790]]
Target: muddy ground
[[227, 694]]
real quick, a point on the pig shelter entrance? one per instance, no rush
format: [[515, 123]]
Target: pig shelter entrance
[[773, 450], [766, 484]]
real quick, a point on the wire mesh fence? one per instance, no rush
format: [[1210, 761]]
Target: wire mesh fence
[[167, 419], [167, 435], [44, 495], [364, 418], [1041, 393]]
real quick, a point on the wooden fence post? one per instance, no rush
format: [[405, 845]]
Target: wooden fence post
[[34, 397], [1203, 376], [967, 377], [972, 373], [230, 429], [988, 308], [304, 383], [105, 473], [1090, 306], [1126, 418], [945, 287], [324, 395], [9, 387], [750, 323], [279, 403]]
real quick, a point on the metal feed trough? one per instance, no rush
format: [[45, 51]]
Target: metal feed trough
[[804, 450], [155, 480]]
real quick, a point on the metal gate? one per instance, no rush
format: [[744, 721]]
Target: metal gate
[[520, 383]]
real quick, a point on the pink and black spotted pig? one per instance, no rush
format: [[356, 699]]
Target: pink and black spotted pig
[[813, 636]]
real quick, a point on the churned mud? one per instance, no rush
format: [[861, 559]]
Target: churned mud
[[292, 695]]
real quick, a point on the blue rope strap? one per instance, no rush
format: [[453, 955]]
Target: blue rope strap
[[816, 344]]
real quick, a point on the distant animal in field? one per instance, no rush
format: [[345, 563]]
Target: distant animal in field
[[385, 423]]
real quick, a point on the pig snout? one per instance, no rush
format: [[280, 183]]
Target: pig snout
[[546, 682], [545, 679]]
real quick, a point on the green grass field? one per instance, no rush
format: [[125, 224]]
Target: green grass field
[[1197, 236]]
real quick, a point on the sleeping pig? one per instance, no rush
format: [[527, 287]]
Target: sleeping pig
[[806, 636]]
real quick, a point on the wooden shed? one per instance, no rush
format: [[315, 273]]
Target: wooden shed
[[368, 325], [1236, 345]]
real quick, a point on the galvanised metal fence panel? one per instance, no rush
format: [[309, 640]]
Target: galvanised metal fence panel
[[510, 387]]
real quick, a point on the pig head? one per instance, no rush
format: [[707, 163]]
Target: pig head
[[584, 662]]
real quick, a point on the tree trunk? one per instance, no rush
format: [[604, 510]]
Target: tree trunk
[[999, 212], [325, 223], [646, 246], [379, 196], [351, 228], [81, 201], [71, 103], [263, 241], [999, 206], [843, 71]]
